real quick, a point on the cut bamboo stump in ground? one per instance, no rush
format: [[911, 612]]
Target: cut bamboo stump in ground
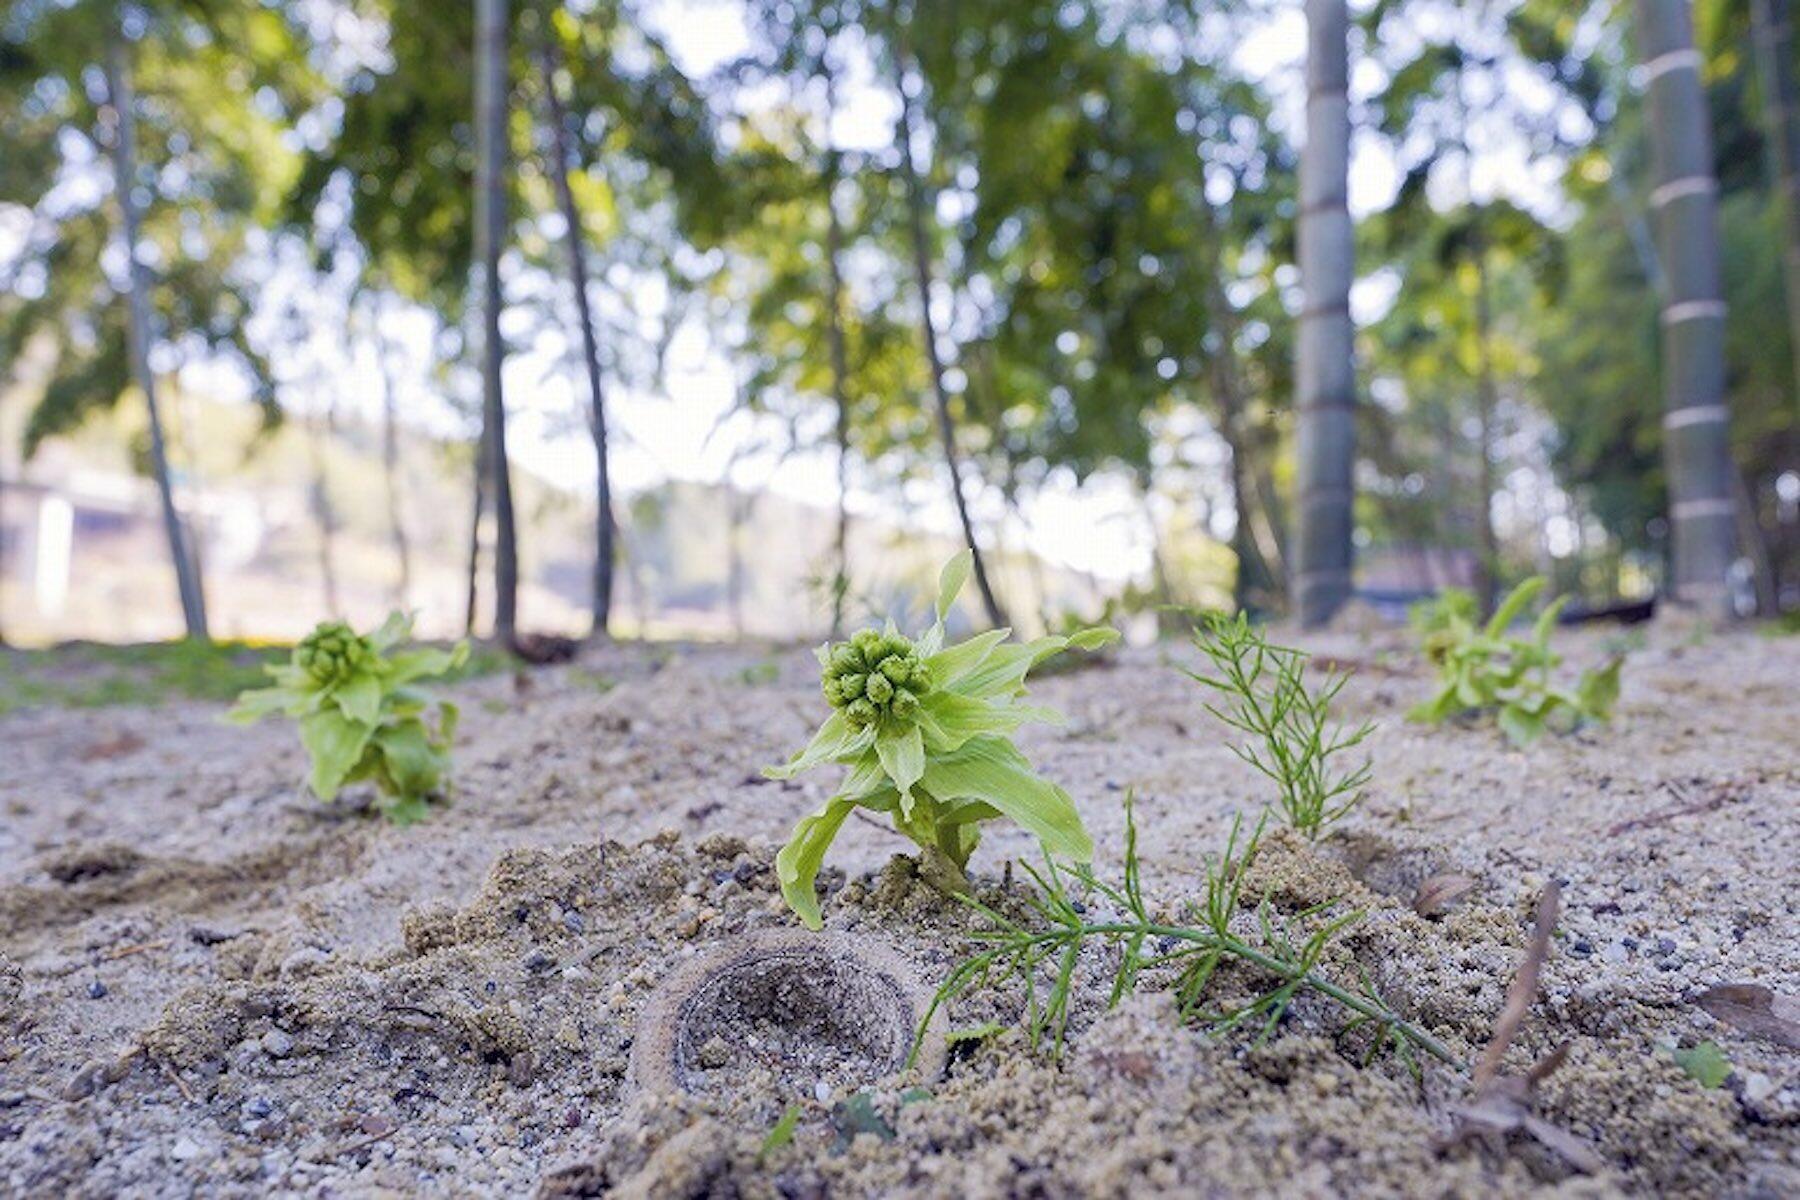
[[816, 1015]]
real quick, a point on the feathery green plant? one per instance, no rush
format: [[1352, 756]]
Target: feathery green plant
[[361, 715], [926, 732], [1263, 692], [1044, 960], [1485, 669]]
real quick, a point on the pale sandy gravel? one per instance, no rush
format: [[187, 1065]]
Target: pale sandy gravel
[[231, 847]]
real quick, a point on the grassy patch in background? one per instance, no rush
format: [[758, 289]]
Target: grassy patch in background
[[96, 675]]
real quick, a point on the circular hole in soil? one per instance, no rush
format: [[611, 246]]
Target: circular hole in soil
[[802, 1015]]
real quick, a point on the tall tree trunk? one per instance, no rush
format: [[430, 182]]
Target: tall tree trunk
[[478, 511], [840, 381], [1487, 567], [915, 212], [325, 515], [1684, 201], [390, 462], [124, 155], [491, 93], [1326, 372], [605, 530], [1773, 35]]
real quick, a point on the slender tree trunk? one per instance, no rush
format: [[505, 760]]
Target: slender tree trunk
[[605, 531], [478, 511], [1326, 373], [1772, 32], [915, 206], [124, 155], [324, 514], [491, 95], [840, 385], [1684, 201], [1487, 552], [390, 462], [1487, 567]]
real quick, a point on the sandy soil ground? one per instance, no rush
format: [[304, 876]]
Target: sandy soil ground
[[208, 984]]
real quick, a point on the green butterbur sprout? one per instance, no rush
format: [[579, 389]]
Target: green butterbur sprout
[[361, 716], [925, 730], [1263, 692], [1484, 669]]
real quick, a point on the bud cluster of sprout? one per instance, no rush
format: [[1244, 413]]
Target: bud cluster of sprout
[[875, 677], [333, 652]]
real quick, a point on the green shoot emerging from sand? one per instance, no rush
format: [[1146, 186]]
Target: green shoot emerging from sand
[[1483, 669], [361, 716], [1043, 961], [926, 732], [1262, 691]]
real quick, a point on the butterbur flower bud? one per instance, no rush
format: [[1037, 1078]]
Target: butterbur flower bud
[[875, 677], [332, 653]]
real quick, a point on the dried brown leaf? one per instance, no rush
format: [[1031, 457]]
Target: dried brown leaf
[[1438, 893], [1756, 1010], [116, 746]]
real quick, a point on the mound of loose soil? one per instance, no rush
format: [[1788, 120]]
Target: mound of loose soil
[[209, 983]]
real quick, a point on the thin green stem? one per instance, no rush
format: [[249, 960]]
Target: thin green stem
[[1290, 971]]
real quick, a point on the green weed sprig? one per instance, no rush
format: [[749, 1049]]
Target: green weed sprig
[[1044, 960], [361, 713], [1263, 692], [926, 730], [1485, 669]]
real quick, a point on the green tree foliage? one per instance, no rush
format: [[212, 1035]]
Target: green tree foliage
[[216, 85]]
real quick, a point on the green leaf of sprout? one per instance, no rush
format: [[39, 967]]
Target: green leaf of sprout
[[974, 1033], [797, 865], [1704, 1063], [782, 1132], [951, 580]]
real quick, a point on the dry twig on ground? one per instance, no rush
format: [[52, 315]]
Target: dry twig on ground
[[1500, 1105]]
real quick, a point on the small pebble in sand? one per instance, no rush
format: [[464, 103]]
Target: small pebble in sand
[[277, 1044], [96, 990], [258, 1106], [185, 1149], [715, 1053]]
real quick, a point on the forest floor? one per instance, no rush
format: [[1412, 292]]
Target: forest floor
[[211, 984]]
